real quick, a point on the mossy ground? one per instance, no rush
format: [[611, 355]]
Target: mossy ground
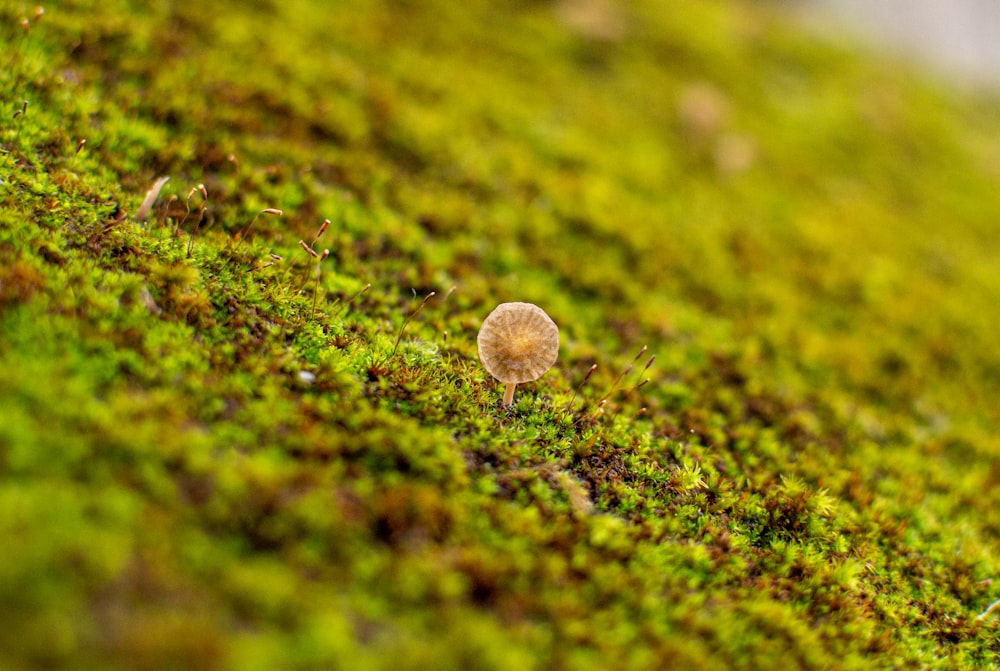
[[208, 461]]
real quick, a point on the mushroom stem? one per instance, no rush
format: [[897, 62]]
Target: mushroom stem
[[508, 394]]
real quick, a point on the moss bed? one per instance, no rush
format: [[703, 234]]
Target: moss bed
[[213, 458]]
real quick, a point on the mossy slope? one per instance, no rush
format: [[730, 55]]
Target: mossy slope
[[207, 461]]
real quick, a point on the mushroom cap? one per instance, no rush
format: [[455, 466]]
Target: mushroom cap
[[518, 342]]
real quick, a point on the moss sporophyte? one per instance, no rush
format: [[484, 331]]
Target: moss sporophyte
[[518, 343]]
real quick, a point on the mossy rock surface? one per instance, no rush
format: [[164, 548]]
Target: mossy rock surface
[[213, 456]]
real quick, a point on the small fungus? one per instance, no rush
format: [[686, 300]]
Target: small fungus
[[518, 342]]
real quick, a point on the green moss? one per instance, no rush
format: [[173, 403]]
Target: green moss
[[208, 459]]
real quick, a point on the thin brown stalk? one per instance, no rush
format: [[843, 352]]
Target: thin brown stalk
[[407, 321]]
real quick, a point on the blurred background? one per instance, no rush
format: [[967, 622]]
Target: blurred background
[[960, 39]]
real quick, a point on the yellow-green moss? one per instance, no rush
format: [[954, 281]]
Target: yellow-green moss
[[199, 471]]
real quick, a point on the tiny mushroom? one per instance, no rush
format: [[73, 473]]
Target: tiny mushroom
[[518, 342]]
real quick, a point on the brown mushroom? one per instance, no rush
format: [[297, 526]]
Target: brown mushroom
[[518, 342]]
